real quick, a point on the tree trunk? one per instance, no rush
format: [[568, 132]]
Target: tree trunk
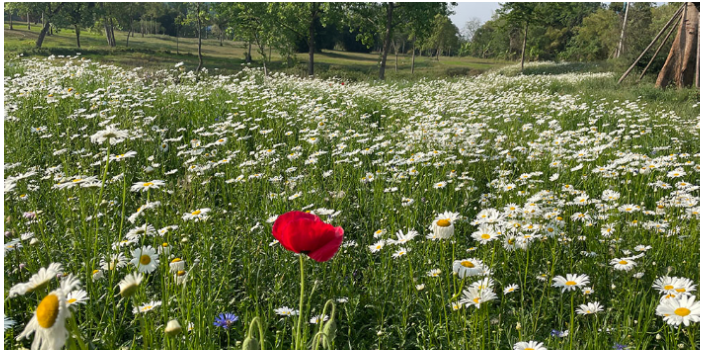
[[200, 53], [396, 56], [29, 24], [78, 35], [11, 22], [387, 38], [107, 31], [113, 43], [222, 37], [413, 55], [523, 52], [177, 53], [681, 65], [142, 25], [619, 49], [127, 44], [42, 34], [311, 39], [248, 58]]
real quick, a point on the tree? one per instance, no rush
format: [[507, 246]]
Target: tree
[[372, 19], [444, 35], [48, 11], [257, 22], [197, 15], [302, 19], [470, 27], [11, 8], [520, 14], [77, 15], [595, 38]]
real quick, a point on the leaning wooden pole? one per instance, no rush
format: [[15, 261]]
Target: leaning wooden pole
[[657, 51], [651, 44], [680, 65], [696, 72]]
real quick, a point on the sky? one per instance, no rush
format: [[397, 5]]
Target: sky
[[465, 11]]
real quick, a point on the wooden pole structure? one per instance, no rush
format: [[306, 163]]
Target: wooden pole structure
[[696, 72], [657, 51], [619, 49], [683, 58], [651, 44]]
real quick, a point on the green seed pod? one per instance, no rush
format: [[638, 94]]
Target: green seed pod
[[250, 344]]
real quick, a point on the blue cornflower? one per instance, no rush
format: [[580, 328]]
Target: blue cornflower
[[619, 346], [225, 320], [558, 333]]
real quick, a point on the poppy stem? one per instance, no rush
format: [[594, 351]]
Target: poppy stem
[[299, 338]]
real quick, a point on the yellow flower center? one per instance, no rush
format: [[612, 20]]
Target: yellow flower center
[[145, 259], [683, 312], [77, 180], [444, 222], [680, 290], [197, 212], [511, 241], [467, 264], [486, 236], [180, 273], [669, 287], [71, 300], [95, 271], [476, 300], [623, 262], [164, 244], [529, 349], [147, 184], [48, 311], [570, 283]]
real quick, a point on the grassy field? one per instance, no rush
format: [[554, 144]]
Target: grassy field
[[159, 51], [549, 210]]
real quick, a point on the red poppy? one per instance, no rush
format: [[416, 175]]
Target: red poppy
[[305, 233]]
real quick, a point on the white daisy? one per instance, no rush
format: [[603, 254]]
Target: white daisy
[[468, 267], [678, 311], [443, 226], [530, 345], [146, 307], [49, 320], [37, 281], [129, 285], [572, 282], [510, 288], [146, 186], [286, 311], [145, 259], [590, 308]]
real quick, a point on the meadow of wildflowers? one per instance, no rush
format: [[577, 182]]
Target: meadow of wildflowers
[[143, 210]]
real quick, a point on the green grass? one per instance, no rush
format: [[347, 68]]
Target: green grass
[[160, 51], [251, 148]]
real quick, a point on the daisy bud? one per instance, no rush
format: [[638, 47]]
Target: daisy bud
[[250, 343], [173, 328]]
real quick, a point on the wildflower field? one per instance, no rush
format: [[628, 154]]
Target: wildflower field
[[161, 210]]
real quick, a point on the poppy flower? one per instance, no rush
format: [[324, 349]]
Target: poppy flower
[[305, 233]]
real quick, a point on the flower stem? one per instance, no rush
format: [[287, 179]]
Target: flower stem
[[299, 338], [571, 320]]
